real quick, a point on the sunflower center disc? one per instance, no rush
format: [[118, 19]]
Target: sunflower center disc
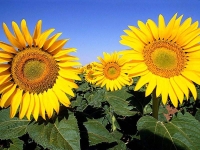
[[164, 58], [34, 70], [112, 71], [90, 75]]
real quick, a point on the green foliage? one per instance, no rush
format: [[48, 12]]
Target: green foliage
[[119, 103], [99, 119], [97, 133], [11, 128], [59, 135], [16, 144], [183, 132]]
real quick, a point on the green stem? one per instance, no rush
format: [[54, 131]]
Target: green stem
[[156, 104]]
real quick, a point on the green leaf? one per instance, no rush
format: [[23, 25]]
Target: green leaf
[[80, 103], [97, 133], [120, 144], [11, 128], [16, 144], [60, 135], [119, 103], [197, 115], [83, 87], [95, 98], [183, 132]]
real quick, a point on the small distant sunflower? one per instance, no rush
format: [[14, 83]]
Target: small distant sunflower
[[111, 71], [166, 57], [36, 72], [89, 76], [89, 67]]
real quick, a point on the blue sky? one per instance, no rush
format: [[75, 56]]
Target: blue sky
[[93, 26]]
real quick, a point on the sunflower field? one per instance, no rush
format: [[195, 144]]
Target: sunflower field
[[146, 97]]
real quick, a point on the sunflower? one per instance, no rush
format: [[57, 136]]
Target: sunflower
[[36, 72], [166, 57], [111, 71], [89, 76], [89, 67]]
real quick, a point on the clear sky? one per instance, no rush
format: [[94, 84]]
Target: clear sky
[[93, 26]]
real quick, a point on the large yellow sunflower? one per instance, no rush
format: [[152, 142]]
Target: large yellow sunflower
[[167, 57], [36, 72], [111, 71]]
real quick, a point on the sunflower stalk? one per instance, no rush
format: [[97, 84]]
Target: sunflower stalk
[[156, 104]]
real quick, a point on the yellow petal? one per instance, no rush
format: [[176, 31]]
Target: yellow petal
[[4, 77], [189, 37], [165, 90], [42, 108], [177, 90], [57, 45], [192, 43], [37, 32], [47, 104], [193, 48], [170, 27], [175, 29], [50, 41], [11, 38], [7, 93], [62, 97], [4, 54], [16, 100], [69, 64], [67, 58], [18, 34], [183, 27], [139, 46], [68, 74], [134, 55], [71, 83], [138, 74], [5, 86], [31, 106], [143, 80], [108, 85], [131, 34], [191, 75], [190, 85], [172, 96], [161, 26], [159, 87], [4, 67], [54, 100], [24, 106], [9, 100], [193, 55], [145, 30], [140, 34], [60, 82], [42, 38], [36, 108], [154, 29], [151, 86], [180, 82], [26, 33], [8, 48], [190, 29], [5, 60], [64, 52], [139, 68]]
